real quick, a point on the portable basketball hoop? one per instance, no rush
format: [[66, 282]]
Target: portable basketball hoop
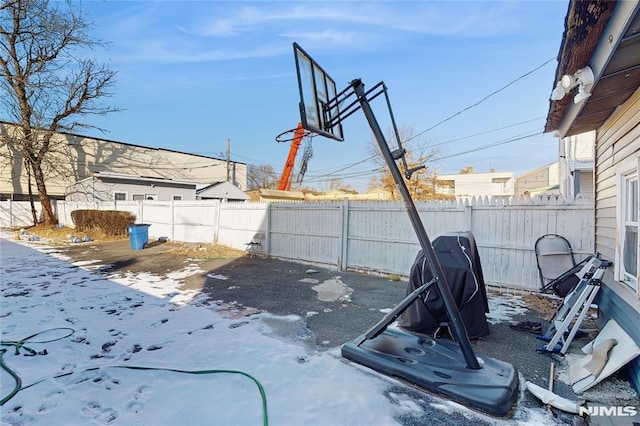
[[437, 365]]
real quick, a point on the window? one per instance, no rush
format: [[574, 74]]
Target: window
[[120, 196], [177, 197], [151, 196], [627, 270], [138, 197]]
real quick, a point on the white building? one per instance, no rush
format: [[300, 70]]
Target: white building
[[469, 184]]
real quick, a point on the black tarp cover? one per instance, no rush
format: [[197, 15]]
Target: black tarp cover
[[460, 261]]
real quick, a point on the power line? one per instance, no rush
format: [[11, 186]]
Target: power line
[[488, 146], [485, 132], [332, 174], [483, 99], [491, 145]]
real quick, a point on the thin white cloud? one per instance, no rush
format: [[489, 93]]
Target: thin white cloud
[[162, 33], [441, 18], [328, 35], [158, 52]]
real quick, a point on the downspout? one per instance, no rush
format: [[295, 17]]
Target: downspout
[[569, 187]]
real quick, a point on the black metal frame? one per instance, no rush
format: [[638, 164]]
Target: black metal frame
[[362, 101]]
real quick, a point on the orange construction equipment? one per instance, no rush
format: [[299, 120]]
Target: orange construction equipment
[[285, 179]]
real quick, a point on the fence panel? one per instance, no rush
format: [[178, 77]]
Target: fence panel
[[15, 214], [506, 236], [240, 222], [381, 237], [309, 232], [194, 221], [158, 215]]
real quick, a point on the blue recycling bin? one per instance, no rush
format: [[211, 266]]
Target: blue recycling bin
[[138, 235]]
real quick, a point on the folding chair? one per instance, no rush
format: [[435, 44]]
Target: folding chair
[[554, 257], [255, 245]]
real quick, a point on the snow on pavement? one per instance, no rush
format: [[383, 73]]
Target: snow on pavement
[[91, 327]]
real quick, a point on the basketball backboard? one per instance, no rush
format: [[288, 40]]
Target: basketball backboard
[[317, 89]]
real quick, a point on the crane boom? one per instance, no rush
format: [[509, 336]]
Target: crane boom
[[285, 179]]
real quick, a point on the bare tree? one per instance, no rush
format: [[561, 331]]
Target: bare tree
[[421, 186], [261, 176], [48, 85], [338, 184]]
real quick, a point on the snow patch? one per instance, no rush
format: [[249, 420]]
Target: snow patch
[[503, 307]]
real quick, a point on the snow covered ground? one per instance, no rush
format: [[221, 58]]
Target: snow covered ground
[[125, 350]]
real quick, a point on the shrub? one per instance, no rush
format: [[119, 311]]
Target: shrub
[[110, 222]]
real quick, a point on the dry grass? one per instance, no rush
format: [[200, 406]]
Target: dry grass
[[205, 251], [61, 236], [545, 305], [548, 306]]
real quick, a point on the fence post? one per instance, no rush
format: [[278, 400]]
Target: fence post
[[267, 230], [344, 236], [216, 220], [173, 220], [468, 215]]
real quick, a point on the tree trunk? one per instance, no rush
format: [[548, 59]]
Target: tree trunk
[[48, 218], [34, 212]]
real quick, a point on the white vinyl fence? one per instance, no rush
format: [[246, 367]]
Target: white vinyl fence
[[360, 235]]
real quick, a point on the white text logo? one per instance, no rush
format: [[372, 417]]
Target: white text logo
[[602, 410]]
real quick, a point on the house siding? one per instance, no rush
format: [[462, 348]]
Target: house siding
[[103, 189], [618, 140], [586, 184]]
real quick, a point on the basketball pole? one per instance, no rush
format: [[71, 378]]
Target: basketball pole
[[458, 328]]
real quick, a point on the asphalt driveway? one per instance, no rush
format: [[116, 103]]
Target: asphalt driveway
[[330, 307]]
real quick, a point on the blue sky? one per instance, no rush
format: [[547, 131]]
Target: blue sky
[[192, 74]]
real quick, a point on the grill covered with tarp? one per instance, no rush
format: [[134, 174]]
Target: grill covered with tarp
[[458, 255]]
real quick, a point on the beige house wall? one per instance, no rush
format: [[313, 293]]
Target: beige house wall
[[538, 180], [618, 140], [77, 157]]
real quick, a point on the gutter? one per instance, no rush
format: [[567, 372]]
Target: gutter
[[611, 38]]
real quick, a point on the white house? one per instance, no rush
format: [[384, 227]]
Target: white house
[[469, 184], [221, 191]]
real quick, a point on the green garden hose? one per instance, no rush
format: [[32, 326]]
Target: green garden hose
[[20, 344]]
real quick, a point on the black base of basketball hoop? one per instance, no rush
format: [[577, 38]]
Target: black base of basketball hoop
[[436, 365]]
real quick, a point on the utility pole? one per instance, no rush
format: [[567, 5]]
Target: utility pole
[[228, 159]]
